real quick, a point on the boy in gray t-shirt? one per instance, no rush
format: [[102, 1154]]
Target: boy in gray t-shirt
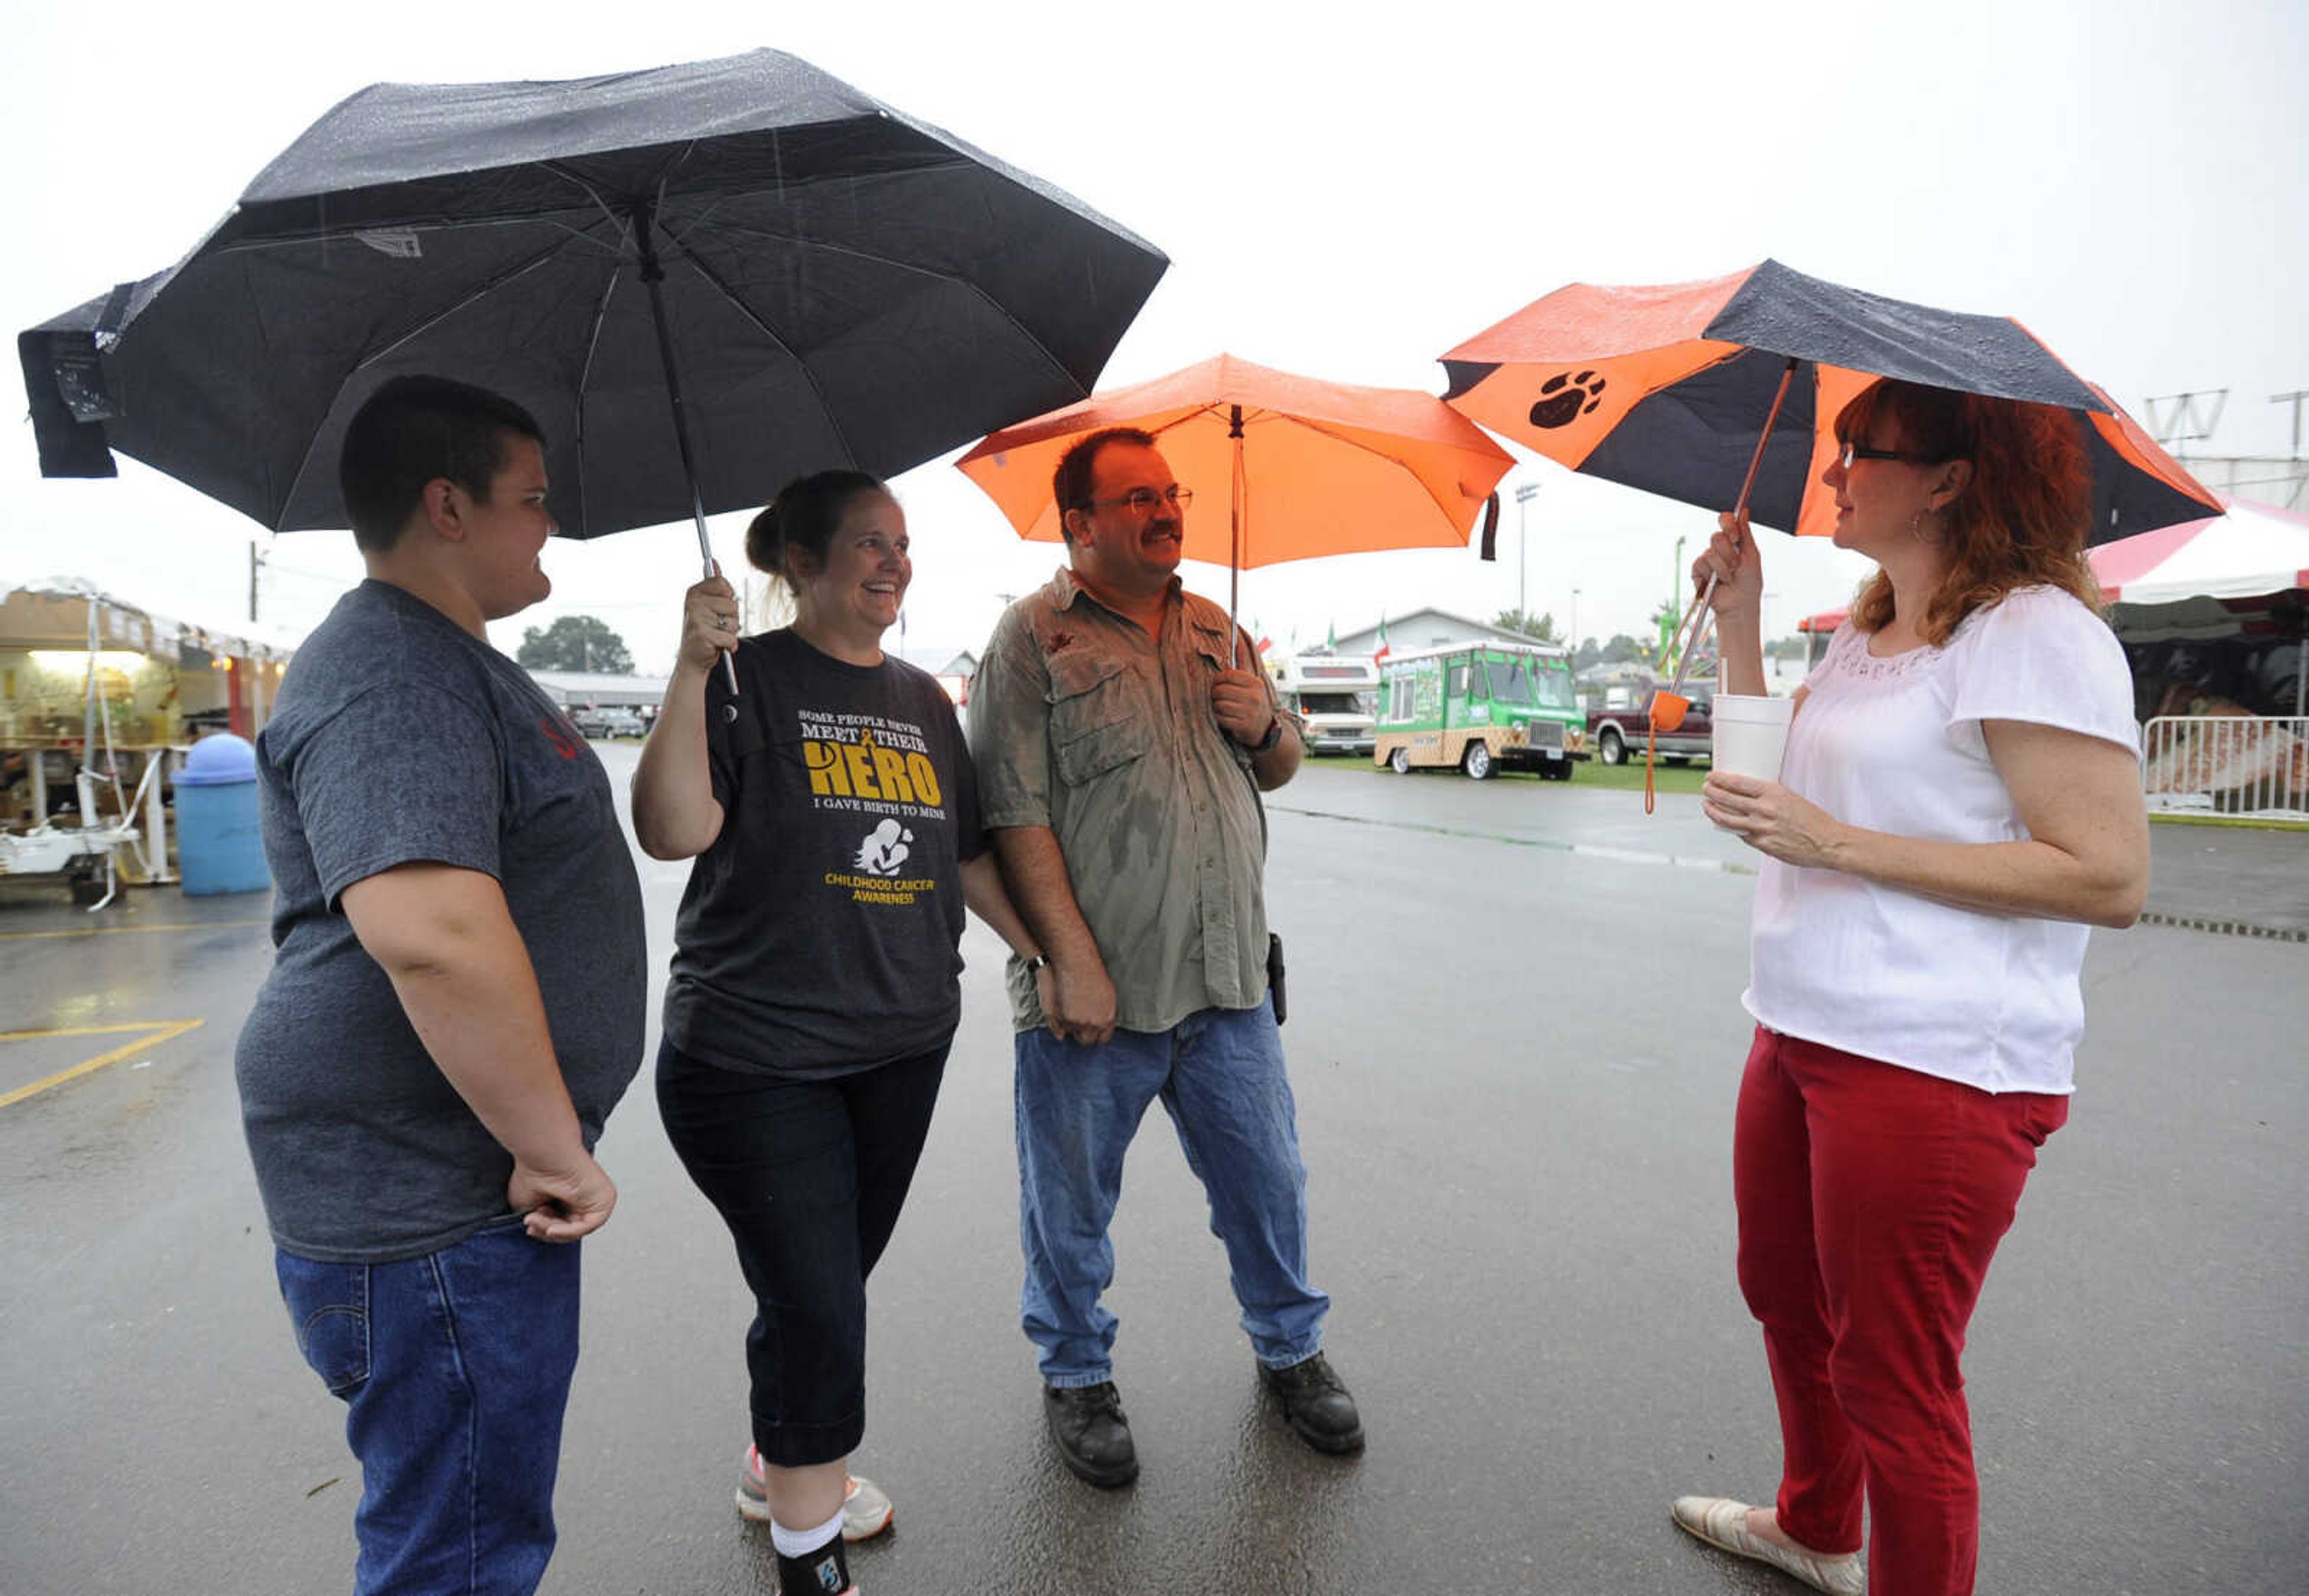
[[456, 1004]]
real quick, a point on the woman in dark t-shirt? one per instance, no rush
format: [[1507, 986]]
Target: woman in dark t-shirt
[[833, 813]]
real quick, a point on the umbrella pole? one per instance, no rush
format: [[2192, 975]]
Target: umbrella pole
[[652, 274], [1235, 538], [1747, 485]]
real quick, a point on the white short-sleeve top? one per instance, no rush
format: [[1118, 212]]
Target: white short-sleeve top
[[1895, 745]]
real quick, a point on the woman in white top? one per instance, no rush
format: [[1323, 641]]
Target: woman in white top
[[1959, 802]]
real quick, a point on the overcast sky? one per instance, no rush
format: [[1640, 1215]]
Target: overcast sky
[[1342, 198]]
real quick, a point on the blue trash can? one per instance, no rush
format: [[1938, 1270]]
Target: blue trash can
[[219, 846]]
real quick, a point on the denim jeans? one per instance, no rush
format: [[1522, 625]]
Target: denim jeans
[[1219, 1074], [809, 1176], [455, 1368]]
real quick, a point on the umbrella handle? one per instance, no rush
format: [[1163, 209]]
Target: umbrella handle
[[1702, 612], [1706, 607], [729, 655]]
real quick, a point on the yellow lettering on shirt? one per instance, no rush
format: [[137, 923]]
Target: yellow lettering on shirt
[[890, 770], [827, 777], [925, 779], [859, 759]]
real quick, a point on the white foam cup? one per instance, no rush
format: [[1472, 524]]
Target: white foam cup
[[1750, 733]]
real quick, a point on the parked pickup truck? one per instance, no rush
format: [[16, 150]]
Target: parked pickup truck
[[1618, 725]]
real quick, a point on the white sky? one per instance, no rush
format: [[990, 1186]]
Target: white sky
[[1345, 198]]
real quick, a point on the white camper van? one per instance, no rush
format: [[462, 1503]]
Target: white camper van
[[1337, 694]]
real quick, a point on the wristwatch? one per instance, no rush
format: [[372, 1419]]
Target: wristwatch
[[1274, 735], [1040, 961]]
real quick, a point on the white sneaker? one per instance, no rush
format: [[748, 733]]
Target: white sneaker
[[1723, 1523], [866, 1507]]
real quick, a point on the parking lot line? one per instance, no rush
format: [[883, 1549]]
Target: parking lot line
[[155, 1031], [114, 931]]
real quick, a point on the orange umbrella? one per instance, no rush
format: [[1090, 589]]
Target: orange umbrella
[[1676, 389], [1664, 388], [1312, 468]]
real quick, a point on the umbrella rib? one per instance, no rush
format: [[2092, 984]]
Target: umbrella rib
[[918, 270], [370, 358], [519, 269], [584, 381], [772, 334], [1355, 443]]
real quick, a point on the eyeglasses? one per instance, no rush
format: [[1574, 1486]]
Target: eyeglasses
[[1141, 501], [1861, 451]]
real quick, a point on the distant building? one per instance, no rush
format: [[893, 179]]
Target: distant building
[[1426, 629], [598, 689], [954, 668]]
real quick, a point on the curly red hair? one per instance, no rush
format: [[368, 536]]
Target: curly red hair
[[2020, 521]]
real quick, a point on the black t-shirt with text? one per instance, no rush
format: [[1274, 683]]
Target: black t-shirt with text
[[817, 935]]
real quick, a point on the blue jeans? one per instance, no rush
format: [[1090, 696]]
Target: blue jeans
[[1219, 1074], [455, 1368]]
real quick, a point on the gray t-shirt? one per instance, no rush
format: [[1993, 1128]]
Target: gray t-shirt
[[397, 738]]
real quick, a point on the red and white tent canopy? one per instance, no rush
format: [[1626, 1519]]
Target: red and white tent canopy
[[2253, 548]]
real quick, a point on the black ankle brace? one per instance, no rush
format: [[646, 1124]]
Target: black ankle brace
[[825, 1572]]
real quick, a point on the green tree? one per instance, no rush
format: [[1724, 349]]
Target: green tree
[[1539, 628], [576, 643], [1621, 649]]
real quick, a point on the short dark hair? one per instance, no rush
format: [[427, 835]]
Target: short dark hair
[[804, 515], [413, 431], [1070, 484]]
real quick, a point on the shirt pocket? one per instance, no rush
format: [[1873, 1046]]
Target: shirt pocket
[[1096, 720], [1211, 643]]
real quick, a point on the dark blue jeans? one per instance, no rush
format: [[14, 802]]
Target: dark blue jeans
[[809, 1176], [455, 1368], [1219, 1074]]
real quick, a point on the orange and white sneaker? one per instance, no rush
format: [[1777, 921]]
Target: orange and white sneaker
[[866, 1507]]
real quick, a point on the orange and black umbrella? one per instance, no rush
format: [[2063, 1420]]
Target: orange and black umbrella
[[1312, 467], [1669, 389]]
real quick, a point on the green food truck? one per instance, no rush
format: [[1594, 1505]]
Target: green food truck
[[1479, 706]]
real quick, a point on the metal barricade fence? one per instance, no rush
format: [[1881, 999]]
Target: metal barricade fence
[[2240, 765]]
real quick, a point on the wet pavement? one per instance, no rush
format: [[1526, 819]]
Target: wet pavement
[[1516, 1039]]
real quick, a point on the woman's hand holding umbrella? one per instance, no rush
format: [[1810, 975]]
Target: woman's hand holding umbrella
[[1736, 567], [709, 622]]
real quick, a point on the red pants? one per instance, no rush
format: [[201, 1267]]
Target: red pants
[[1870, 1200]]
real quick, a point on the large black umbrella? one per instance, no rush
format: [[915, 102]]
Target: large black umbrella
[[824, 281]]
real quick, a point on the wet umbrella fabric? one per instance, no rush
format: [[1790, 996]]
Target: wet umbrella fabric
[[1303, 467], [842, 285], [1666, 389]]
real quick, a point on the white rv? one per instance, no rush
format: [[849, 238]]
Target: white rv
[[1337, 694]]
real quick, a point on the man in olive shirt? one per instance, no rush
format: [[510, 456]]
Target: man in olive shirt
[[1120, 751]]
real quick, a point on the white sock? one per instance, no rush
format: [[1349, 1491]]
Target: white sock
[[800, 1543]]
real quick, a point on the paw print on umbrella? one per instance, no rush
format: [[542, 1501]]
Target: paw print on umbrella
[[1564, 398]]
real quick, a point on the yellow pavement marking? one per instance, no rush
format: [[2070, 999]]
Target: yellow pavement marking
[[115, 930], [158, 1032]]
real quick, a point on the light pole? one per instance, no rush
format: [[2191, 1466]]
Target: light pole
[[1525, 493], [1575, 626]]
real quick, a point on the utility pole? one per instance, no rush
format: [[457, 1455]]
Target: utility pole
[[2293, 399], [2175, 418], [253, 563], [1525, 493]]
